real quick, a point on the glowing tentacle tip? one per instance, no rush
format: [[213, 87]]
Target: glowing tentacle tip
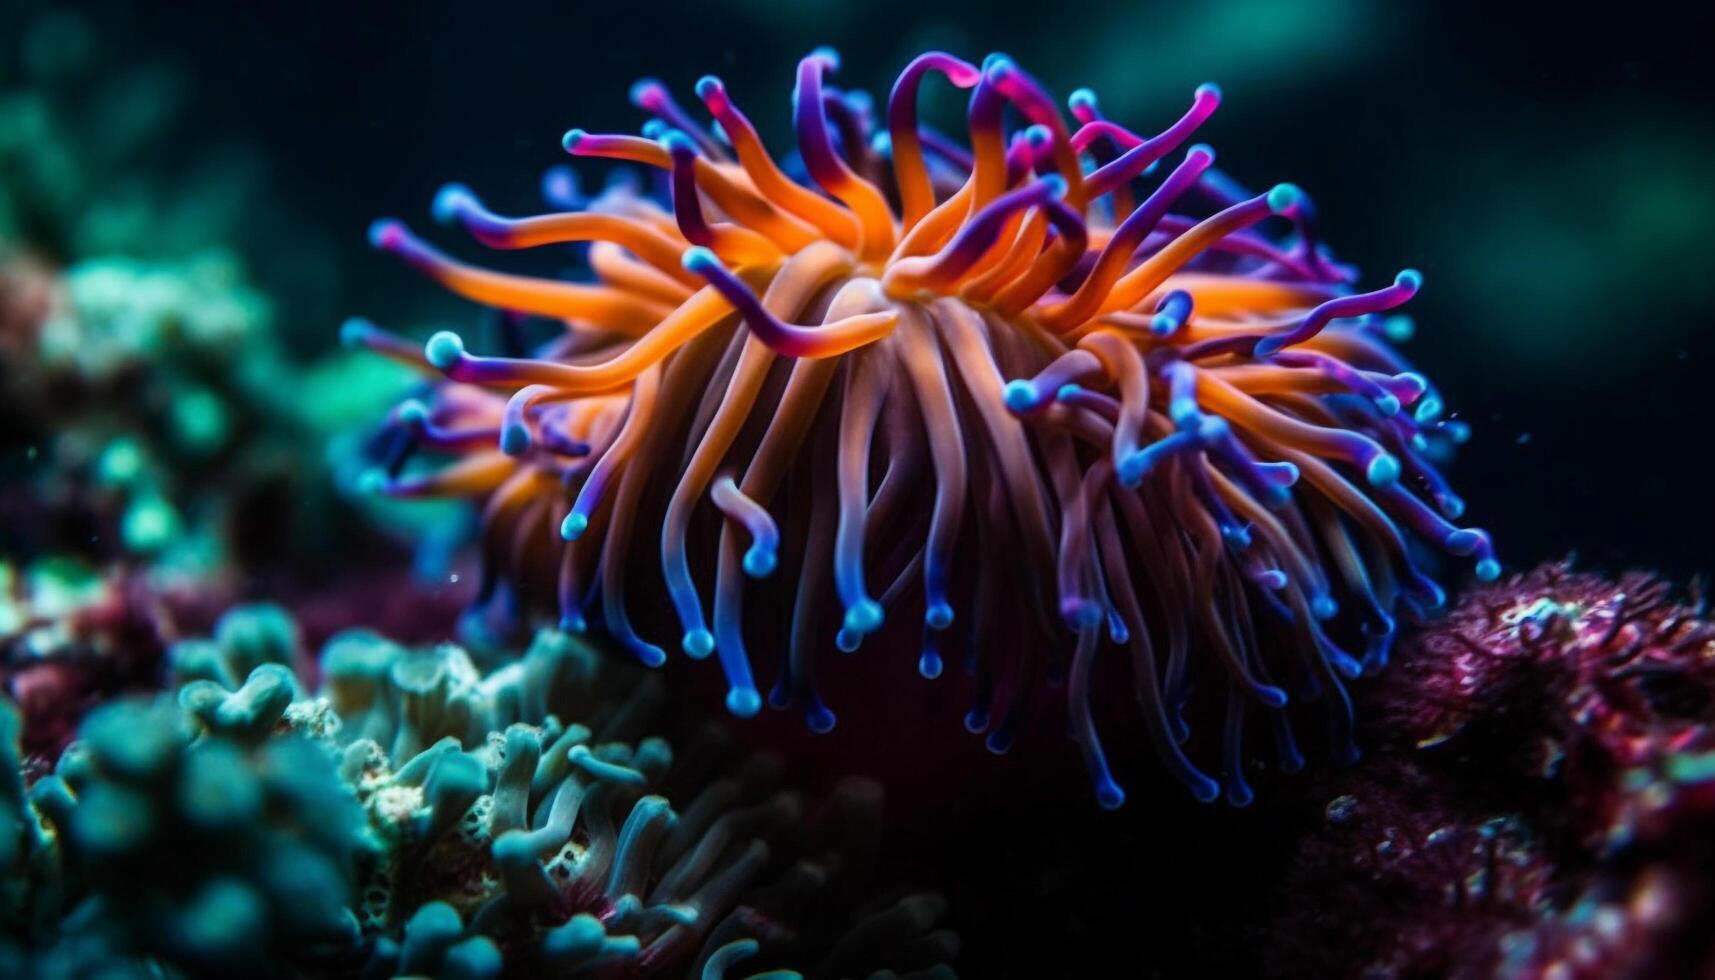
[[1387, 405], [448, 200], [1208, 90], [515, 439], [699, 260], [1020, 395], [744, 702], [386, 233], [929, 665], [1488, 570], [864, 616], [643, 89], [1270, 695], [1203, 789], [698, 643], [1324, 607], [1117, 631], [1109, 795], [759, 562], [1272, 579], [1410, 279], [819, 719], [1082, 99], [574, 525], [1452, 506], [1171, 313], [1283, 198], [1412, 385], [413, 411], [570, 141], [1382, 471], [444, 349], [560, 188], [353, 331], [939, 616]]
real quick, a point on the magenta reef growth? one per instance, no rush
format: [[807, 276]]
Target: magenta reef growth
[[1058, 401]]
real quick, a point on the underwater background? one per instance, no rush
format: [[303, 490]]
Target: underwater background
[[1545, 170], [200, 177]]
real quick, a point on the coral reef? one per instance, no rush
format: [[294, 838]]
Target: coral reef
[[135, 396], [1176, 462], [72, 638], [1541, 798], [415, 815], [158, 417], [157, 414]]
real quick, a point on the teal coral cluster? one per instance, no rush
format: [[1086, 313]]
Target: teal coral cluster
[[413, 814], [189, 347], [161, 393]]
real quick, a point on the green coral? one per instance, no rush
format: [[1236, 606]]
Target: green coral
[[416, 815], [164, 387], [136, 337], [120, 311], [161, 843]]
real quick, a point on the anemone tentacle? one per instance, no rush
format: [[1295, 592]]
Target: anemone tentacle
[[1052, 408]]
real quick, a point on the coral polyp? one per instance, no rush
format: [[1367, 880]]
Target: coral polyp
[[415, 816], [1063, 400]]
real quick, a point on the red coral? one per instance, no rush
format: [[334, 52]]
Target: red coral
[[1558, 679], [1539, 801], [59, 667]]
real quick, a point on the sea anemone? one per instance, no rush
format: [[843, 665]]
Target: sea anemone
[[1049, 405]]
